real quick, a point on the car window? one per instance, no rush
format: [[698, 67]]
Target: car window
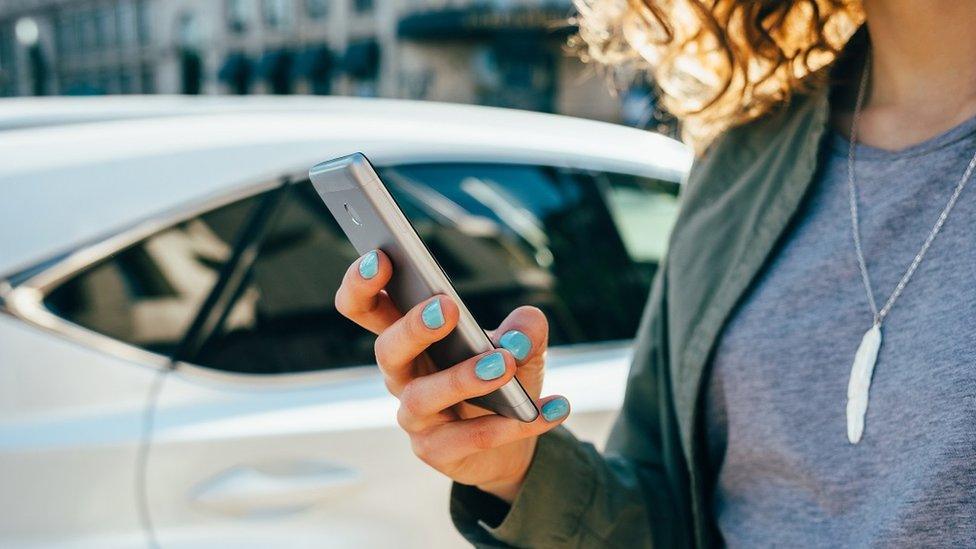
[[284, 319], [569, 242], [149, 293], [644, 211], [581, 246]]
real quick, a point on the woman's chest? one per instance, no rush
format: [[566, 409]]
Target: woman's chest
[[781, 367]]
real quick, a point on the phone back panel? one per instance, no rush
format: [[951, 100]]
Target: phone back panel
[[372, 220]]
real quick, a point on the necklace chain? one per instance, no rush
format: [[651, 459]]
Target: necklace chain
[[879, 315]]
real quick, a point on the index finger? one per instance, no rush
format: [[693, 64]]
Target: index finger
[[524, 332], [398, 347], [361, 298]]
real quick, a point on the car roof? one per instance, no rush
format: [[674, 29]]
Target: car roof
[[74, 170]]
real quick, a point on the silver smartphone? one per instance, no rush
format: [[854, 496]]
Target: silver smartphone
[[372, 220]]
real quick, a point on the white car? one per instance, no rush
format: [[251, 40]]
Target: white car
[[172, 369]]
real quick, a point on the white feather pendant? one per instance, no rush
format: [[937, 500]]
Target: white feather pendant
[[860, 382]]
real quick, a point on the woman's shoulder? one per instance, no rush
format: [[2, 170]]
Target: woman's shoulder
[[742, 173], [738, 198], [747, 155]]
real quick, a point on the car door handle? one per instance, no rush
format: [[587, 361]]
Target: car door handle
[[273, 487]]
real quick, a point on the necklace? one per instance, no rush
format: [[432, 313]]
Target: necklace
[[867, 352]]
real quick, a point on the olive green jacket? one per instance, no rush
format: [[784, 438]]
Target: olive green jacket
[[649, 488]]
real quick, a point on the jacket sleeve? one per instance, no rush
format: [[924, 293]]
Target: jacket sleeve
[[574, 496]]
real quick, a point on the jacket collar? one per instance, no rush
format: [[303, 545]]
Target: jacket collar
[[791, 149]]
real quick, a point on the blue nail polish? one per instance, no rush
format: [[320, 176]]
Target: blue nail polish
[[490, 367], [556, 408], [369, 265], [517, 343], [432, 315]]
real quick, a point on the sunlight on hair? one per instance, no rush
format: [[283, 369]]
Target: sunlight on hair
[[717, 63]]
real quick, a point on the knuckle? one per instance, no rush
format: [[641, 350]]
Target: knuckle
[[481, 437], [342, 304], [455, 381], [405, 418], [380, 350], [421, 448], [414, 328], [387, 355], [527, 429], [391, 386], [426, 450], [411, 403], [402, 420]]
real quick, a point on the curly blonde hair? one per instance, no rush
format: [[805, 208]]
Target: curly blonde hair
[[718, 63]]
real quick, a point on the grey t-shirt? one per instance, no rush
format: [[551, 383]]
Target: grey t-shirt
[[783, 471]]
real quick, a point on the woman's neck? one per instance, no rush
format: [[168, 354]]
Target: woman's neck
[[923, 71]]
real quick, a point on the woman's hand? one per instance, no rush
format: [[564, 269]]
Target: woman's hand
[[468, 444]]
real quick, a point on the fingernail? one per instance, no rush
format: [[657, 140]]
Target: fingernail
[[490, 367], [369, 265], [432, 315], [556, 408], [517, 343]]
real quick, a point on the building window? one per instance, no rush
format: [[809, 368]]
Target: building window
[[100, 28], [106, 26], [62, 34], [125, 80], [76, 29], [275, 68], [316, 65], [362, 6], [277, 14], [88, 30], [8, 72], [143, 23], [125, 17], [239, 15], [362, 64], [237, 72], [147, 79], [106, 81], [515, 73], [316, 9]]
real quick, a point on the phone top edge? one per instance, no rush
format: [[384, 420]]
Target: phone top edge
[[356, 158]]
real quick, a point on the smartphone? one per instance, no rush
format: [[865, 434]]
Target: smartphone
[[372, 220]]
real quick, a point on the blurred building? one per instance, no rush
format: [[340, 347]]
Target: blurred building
[[495, 52]]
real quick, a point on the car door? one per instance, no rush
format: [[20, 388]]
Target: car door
[[83, 338], [274, 426]]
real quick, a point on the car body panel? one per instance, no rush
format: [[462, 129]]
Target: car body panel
[[83, 439]]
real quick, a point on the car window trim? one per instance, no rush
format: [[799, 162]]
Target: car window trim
[[26, 300]]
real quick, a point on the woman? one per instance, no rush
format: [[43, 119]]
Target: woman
[[826, 234]]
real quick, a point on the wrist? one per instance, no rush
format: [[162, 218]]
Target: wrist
[[507, 488], [505, 491]]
